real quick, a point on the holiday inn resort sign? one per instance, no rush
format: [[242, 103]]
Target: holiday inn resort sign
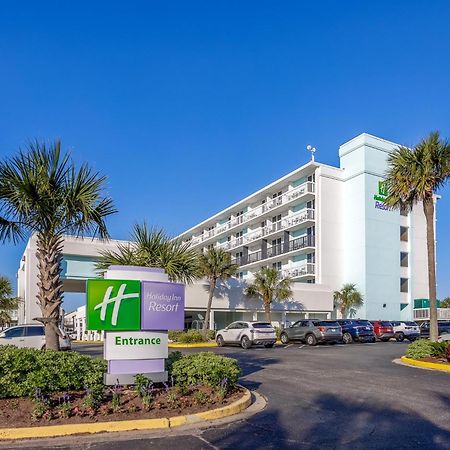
[[135, 315]]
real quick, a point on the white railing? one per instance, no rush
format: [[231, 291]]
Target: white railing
[[299, 271], [305, 188], [286, 222], [424, 313]]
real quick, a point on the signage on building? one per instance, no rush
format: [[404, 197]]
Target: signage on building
[[381, 196]]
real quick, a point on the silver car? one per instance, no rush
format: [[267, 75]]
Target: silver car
[[312, 332], [247, 334]]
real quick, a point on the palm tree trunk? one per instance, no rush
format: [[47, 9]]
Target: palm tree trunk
[[212, 287], [267, 310], [428, 208], [343, 312], [49, 255]]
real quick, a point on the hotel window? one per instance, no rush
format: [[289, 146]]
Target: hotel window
[[404, 211], [404, 234], [403, 259], [404, 284], [277, 265], [312, 177], [240, 217], [276, 198]]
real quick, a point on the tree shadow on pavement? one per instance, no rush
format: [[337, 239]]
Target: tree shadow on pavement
[[332, 423]]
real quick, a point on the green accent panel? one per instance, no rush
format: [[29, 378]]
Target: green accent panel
[[299, 207], [117, 313], [222, 221], [222, 240], [299, 232], [421, 303], [403, 306], [299, 258], [78, 267], [299, 181]]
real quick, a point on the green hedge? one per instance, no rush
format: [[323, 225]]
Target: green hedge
[[423, 348], [23, 370], [206, 368]]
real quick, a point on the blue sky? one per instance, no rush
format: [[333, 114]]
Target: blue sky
[[189, 106]]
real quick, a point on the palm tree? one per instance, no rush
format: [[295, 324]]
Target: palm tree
[[414, 176], [215, 265], [151, 247], [43, 193], [348, 298], [7, 302], [269, 285], [445, 303]]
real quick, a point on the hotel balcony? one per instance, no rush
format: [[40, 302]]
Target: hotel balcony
[[424, 313], [287, 222], [303, 242], [303, 271], [256, 213]]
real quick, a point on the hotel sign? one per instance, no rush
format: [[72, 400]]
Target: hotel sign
[[136, 345], [381, 196]]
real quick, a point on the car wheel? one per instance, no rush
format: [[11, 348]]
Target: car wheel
[[311, 339], [347, 338], [220, 341], [246, 342], [400, 337], [284, 338], [268, 345]]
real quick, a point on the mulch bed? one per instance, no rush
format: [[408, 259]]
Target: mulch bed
[[434, 359], [17, 412]]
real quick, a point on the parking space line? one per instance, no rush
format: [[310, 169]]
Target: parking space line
[[301, 346], [289, 345]]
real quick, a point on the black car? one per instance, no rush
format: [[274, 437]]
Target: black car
[[443, 327], [356, 330]]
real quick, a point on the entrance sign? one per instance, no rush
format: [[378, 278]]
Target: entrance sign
[[135, 315], [162, 306], [113, 304], [136, 345]]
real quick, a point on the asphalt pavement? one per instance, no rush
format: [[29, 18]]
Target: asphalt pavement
[[324, 397]]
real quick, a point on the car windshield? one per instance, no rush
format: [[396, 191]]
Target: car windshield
[[411, 324], [262, 325], [395, 324], [326, 323], [366, 323], [385, 324]]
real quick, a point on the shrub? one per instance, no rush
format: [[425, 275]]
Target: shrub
[[174, 335], [421, 348], [191, 337], [171, 359], [207, 369], [211, 335], [23, 370], [439, 348], [447, 353]]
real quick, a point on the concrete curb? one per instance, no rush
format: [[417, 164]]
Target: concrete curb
[[425, 365], [196, 345], [126, 425]]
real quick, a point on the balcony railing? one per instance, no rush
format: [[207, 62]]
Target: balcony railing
[[287, 197], [299, 271], [275, 250], [424, 313], [286, 222]]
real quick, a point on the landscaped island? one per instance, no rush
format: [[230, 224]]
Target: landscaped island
[[53, 388]]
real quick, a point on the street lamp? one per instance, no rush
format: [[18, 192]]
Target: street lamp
[[311, 149]]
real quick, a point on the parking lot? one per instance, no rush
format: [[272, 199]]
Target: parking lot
[[338, 396]]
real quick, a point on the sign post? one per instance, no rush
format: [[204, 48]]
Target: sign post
[[135, 306]]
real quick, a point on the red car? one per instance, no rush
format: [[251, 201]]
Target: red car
[[383, 330]]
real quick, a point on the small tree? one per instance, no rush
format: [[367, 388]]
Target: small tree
[[43, 193], [414, 176], [269, 285], [152, 247], [348, 298], [8, 303], [215, 265]]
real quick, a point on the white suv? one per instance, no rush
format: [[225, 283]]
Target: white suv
[[32, 336], [408, 330], [247, 334]]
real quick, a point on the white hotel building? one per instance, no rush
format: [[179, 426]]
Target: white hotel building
[[322, 226]]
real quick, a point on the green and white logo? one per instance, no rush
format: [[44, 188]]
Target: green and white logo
[[382, 192], [113, 305]]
